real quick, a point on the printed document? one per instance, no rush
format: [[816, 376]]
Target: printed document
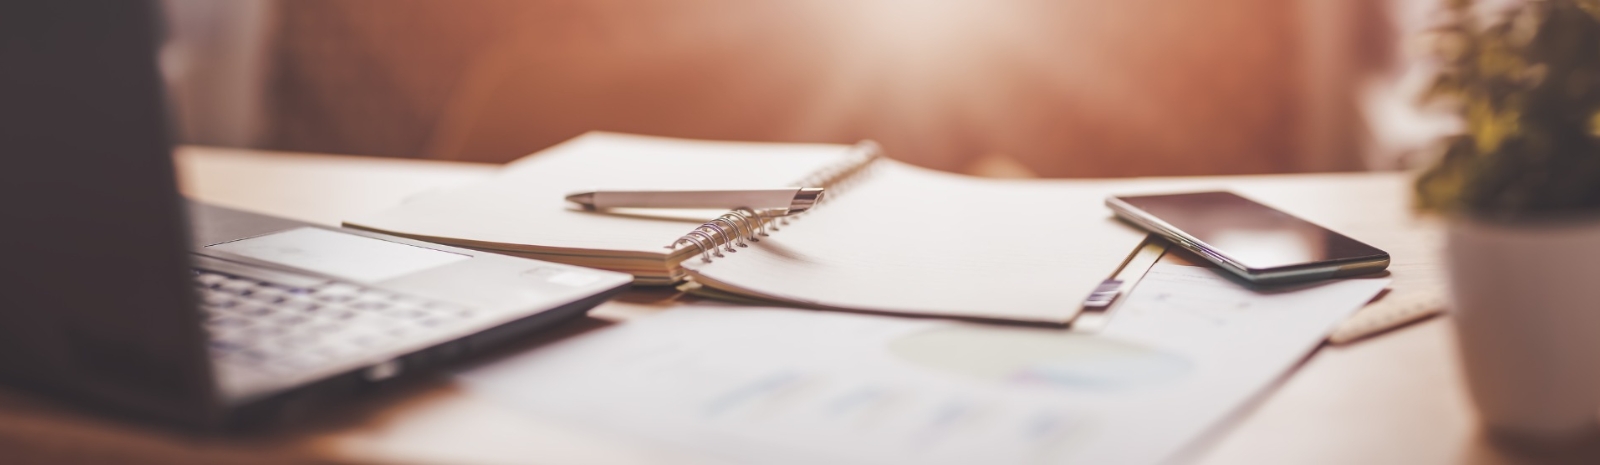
[[767, 385]]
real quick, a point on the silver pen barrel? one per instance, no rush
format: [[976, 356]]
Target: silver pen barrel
[[791, 199]]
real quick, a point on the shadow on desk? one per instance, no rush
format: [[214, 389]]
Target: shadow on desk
[[1491, 450]]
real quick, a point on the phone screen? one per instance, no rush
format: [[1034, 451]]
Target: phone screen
[[1254, 235]]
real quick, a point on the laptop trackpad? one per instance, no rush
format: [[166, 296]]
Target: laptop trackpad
[[348, 256]]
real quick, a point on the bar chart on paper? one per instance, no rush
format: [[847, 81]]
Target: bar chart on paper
[[1049, 359]]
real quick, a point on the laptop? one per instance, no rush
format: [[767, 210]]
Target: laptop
[[118, 294]]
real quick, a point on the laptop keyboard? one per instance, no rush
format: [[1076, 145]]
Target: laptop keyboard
[[270, 328]]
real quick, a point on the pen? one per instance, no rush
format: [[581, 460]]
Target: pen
[[792, 199]]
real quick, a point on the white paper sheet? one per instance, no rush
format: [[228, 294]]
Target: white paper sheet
[[917, 241], [792, 386]]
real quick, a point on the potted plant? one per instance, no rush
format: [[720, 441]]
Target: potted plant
[[1521, 190]]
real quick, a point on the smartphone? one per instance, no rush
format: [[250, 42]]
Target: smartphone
[[1256, 242]]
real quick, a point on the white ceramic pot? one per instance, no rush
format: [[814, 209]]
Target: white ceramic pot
[[1526, 303]]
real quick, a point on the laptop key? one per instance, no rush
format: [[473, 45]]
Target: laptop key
[[336, 292], [267, 294], [208, 279], [237, 286], [211, 298], [230, 321], [255, 310], [300, 303]]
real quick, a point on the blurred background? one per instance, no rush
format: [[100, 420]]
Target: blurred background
[[1055, 88]]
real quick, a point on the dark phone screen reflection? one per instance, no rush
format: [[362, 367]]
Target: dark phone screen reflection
[[1255, 235]]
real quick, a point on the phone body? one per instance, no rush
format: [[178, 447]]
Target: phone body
[[1256, 242]]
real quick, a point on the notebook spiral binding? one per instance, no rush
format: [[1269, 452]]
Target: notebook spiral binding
[[741, 226]]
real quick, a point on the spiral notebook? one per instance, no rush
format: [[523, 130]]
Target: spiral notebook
[[888, 237]]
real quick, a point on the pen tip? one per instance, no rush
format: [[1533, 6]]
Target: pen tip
[[583, 199]]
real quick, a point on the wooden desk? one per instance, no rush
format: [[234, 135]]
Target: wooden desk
[[1396, 398]]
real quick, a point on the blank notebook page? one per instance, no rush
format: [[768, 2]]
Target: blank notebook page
[[903, 239], [523, 207]]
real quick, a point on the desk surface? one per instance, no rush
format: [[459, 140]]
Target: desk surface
[[1395, 398]]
